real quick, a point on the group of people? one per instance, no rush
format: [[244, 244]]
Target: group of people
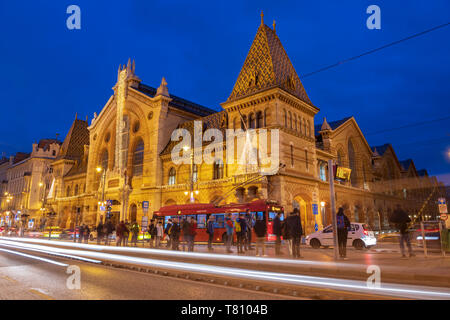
[[123, 231], [176, 228]]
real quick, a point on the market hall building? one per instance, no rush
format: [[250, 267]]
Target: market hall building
[[124, 154]]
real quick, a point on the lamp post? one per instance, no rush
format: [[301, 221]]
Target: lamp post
[[191, 175], [103, 171]]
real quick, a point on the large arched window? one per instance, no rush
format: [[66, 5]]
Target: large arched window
[[290, 120], [172, 174], [251, 121], [352, 162], [76, 190], [104, 160], [259, 120], [194, 173], [138, 158], [218, 169]]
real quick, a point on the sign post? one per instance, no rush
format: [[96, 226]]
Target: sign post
[[333, 207]]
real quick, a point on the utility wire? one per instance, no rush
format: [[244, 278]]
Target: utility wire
[[375, 50], [408, 126]]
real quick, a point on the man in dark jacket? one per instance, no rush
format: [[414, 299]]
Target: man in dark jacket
[[166, 232], [343, 225], [401, 219], [295, 231], [80, 233], [108, 230], [210, 231], [260, 229], [175, 234], [248, 236], [99, 232], [277, 232], [121, 232], [87, 233], [185, 230], [152, 232], [240, 227]]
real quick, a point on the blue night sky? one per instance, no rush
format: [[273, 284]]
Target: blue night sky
[[49, 72]]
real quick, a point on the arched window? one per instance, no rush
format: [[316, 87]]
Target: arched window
[[172, 174], [194, 173], [133, 213], [138, 158], [251, 121], [290, 120], [259, 120], [68, 191], [304, 126], [292, 155], [300, 127], [285, 119], [218, 169], [295, 122], [104, 160], [309, 128]]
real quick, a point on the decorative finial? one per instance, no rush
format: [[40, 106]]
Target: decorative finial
[[163, 90], [325, 125], [76, 115], [262, 17], [129, 65], [133, 67], [273, 25]]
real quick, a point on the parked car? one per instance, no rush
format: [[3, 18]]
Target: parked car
[[360, 236], [55, 232]]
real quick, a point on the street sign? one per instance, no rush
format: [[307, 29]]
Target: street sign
[[444, 216], [102, 208], [144, 223], [442, 201], [145, 205], [316, 227], [443, 209], [109, 202], [315, 208]]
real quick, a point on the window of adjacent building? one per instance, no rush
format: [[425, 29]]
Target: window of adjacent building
[[323, 172], [290, 120], [138, 158], [285, 118], [218, 169], [172, 174]]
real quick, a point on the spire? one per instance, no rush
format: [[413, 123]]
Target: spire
[[375, 152], [273, 24], [76, 115], [325, 125], [162, 90], [133, 67], [267, 66], [262, 18]]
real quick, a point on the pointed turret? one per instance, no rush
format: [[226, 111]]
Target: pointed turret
[[163, 90], [325, 125], [267, 66]]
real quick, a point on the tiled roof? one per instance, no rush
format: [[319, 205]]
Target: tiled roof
[[405, 164], [216, 120], [20, 156], [333, 124], [73, 145], [381, 149], [78, 168], [267, 65], [178, 102], [45, 143]]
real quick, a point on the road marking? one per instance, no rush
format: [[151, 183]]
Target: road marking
[[9, 279], [40, 293]]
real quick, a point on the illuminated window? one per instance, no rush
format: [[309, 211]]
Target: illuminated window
[[172, 174]]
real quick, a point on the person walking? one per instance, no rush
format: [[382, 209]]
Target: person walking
[[295, 231], [99, 232], [248, 234], [108, 230], [192, 234], [166, 232], [126, 234], [80, 233], [401, 219], [120, 230], [260, 229], [152, 231], [134, 233], [210, 231], [175, 234], [277, 232], [286, 237], [240, 228], [229, 229], [87, 233], [159, 233], [343, 225], [185, 226]]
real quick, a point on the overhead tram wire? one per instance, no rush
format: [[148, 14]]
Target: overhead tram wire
[[374, 50], [408, 125]]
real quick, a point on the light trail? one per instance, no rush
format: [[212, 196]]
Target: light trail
[[394, 290], [34, 257]]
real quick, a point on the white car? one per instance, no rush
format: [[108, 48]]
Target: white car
[[359, 236]]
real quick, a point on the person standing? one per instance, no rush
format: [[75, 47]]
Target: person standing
[[260, 229], [159, 233], [167, 232], [134, 233], [343, 225], [295, 230], [99, 232], [80, 233], [248, 234], [277, 232], [175, 234], [210, 231], [126, 235], [120, 230], [108, 230], [192, 234], [240, 229], [185, 226], [87, 233], [401, 219], [229, 229], [152, 232]]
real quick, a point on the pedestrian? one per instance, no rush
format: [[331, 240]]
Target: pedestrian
[[120, 230], [134, 229], [229, 234], [277, 232], [401, 220], [159, 233], [248, 235], [210, 231], [185, 226], [295, 231], [99, 232], [87, 233], [166, 232], [260, 229], [108, 230], [80, 233], [285, 235], [240, 227], [126, 234], [192, 234], [343, 225], [152, 232], [175, 234]]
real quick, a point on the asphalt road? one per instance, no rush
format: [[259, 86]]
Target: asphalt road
[[26, 278]]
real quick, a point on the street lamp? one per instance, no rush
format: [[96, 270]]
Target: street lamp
[[191, 174], [103, 171]]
